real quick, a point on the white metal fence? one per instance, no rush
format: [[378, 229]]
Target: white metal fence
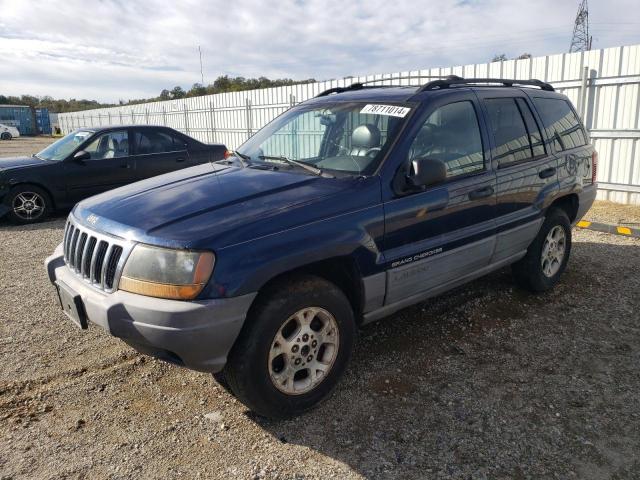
[[604, 85]]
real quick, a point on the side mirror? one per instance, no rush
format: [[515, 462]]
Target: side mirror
[[81, 156], [426, 171]]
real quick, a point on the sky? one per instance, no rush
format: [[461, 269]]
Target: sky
[[111, 50]]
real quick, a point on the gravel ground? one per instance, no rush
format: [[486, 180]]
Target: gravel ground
[[484, 382]]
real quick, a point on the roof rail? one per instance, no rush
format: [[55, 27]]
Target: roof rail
[[440, 84], [361, 85]]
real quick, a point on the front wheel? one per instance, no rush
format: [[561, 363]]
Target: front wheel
[[548, 254], [294, 348], [6, 136], [28, 204]]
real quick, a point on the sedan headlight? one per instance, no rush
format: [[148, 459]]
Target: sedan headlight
[[166, 273]]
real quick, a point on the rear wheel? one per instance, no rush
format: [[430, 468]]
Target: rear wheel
[[28, 204], [548, 254], [294, 348], [6, 136]]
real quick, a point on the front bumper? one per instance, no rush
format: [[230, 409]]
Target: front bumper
[[197, 334]]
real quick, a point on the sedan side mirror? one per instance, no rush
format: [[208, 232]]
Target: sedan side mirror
[[81, 156], [426, 171]]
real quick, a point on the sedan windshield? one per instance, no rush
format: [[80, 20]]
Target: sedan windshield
[[338, 137], [62, 148]]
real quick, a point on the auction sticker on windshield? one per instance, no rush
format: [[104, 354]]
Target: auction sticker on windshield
[[391, 110]]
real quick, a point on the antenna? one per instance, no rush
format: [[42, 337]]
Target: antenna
[[201, 74], [581, 41]]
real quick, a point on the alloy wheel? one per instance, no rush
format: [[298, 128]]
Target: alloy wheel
[[303, 350], [553, 251]]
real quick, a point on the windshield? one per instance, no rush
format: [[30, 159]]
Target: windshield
[[62, 148], [340, 137]]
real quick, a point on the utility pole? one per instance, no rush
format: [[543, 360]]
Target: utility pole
[[201, 74], [581, 40]]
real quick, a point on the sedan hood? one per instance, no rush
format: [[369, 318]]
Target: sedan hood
[[210, 204], [19, 162]]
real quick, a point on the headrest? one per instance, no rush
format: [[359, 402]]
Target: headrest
[[366, 136]]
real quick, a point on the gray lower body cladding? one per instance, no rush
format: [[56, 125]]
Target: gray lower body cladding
[[197, 334]]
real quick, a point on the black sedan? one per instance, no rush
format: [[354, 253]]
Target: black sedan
[[90, 161]]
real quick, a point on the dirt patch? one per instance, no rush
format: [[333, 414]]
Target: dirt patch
[[24, 146]]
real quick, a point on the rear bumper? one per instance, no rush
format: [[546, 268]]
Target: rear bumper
[[585, 199], [197, 335]]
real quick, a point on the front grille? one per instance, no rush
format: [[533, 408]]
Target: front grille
[[96, 258]]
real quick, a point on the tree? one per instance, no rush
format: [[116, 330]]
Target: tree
[[197, 90], [178, 92], [499, 58], [165, 94], [524, 56]]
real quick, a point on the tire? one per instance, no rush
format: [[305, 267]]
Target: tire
[[315, 326], [35, 202], [536, 272], [222, 381], [6, 136]]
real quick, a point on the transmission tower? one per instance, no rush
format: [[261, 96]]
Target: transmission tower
[[581, 40]]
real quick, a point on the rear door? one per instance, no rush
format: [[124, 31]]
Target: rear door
[[110, 166], [526, 168], [568, 139], [446, 232], [158, 151]]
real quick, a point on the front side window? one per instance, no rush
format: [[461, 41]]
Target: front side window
[[451, 134], [561, 123], [109, 145], [156, 141], [61, 149], [339, 137]]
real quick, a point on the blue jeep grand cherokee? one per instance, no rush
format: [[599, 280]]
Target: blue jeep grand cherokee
[[344, 209]]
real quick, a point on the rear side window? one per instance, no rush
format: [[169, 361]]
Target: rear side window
[[511, 134], [451, 134], [561, 123], [156, 141]]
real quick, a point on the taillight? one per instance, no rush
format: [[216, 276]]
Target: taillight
[[227, 154], [594, 166]]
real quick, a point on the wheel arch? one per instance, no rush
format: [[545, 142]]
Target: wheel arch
[[569, 203], [40, 186], [342, 271]]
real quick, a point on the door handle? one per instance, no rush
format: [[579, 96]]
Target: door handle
[[125, 165], [481, 193], [547, 172], [180, 160]]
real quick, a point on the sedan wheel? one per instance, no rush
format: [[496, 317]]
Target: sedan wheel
[[28, 206]]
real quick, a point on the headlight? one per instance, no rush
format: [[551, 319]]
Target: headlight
[[166, 273]]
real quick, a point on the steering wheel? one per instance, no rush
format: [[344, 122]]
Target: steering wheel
[[372, 152]]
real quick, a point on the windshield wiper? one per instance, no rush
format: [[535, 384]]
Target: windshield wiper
[[244, 159], [290, 161]]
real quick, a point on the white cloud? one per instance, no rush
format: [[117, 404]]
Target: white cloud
[[117, 49]]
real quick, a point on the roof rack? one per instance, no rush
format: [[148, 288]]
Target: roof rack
[[446, 83], [361, 85]]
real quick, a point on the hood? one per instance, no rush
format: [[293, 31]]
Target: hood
[[19, 162], [210, 204]]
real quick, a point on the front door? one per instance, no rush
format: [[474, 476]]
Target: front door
[[446, 232], [109, 166]]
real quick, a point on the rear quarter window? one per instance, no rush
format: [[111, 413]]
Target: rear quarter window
[[561, 123]]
